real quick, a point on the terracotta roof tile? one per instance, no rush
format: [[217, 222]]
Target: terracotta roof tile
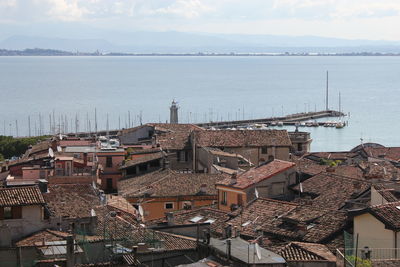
[[218, 217], [21, 196], [242, 138], [169, 183], [70, 200], [142, 159], [174, 136], [390, 153], [388, 213], [258, 174], [331, 191], [300, 251]]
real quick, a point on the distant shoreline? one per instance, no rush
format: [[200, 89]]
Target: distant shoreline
[[51, 52]]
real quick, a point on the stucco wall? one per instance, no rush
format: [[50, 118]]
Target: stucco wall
[[376, 197], [372, 233]]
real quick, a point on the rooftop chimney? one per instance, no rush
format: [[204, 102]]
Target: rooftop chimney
[[170, 218], [203, 189], [233, 178]]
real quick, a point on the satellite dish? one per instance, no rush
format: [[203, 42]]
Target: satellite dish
[[142, 225], [61, 137], [258, 251], [51, 152], [141, 212], [59, 149], [256, 192]]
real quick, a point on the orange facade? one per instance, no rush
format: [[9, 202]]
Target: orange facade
[[228, 197], [155, 208]]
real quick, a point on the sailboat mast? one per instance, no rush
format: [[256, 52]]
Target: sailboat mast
[[327, 90]]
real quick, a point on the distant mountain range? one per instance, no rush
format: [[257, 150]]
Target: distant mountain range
[[179, 42]]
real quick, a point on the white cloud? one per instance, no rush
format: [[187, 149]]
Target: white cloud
[[338, 18], [67, 10], [183, 8]]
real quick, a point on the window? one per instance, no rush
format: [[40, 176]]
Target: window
[[224, 198], [155, 163], [143, 167], [169, 206], [109, 162], [7, 213], [11, 213], [264, 150]]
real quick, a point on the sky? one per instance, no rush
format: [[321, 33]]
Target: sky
[[350, 19]]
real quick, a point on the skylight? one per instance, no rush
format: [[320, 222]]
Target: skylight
[[311, 225], [246, 223], [196, 219], [210, 221], [398, 207]]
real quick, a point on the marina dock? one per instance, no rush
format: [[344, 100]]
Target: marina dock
[[292, 119]]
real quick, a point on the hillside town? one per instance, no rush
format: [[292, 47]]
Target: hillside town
[[173, 194]]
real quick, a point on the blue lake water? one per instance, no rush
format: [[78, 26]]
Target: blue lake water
[[207, 88]]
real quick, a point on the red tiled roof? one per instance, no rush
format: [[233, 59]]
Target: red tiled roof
[[142, 159], [169, 183], [258, 174], [21, 196], [300, 251], [242, 138], [388, 213], [42, 236], [70, 200], [391, 153], [331, 191], [183, 217]]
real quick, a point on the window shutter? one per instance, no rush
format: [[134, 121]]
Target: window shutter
[[1, 213]]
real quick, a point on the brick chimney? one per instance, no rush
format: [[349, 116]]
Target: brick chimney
[[85, 159]]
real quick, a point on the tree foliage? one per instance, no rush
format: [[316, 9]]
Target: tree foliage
[[10, 146]]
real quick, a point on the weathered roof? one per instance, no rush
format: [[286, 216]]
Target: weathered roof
[[91, 149], [174, 136], [390, 153], [215, 217], [42, 236], [240, 251], [70, 200], [49, 235], [142, 159], [224, 169], [288, 220], [242, 138], [390, 192], [388, 213], [262, 211], [341, 155], [169, 183], [21, 196], [331, 191], [125, 228], [300, 251], [258, 174]]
